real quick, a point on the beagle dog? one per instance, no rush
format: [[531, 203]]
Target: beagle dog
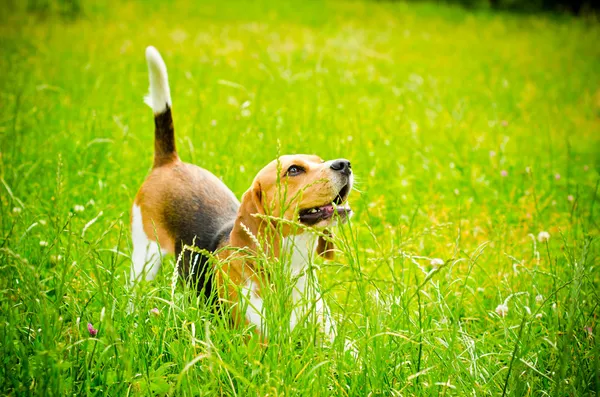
[[284, 217]]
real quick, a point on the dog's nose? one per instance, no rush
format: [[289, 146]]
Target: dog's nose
[[342, 165]]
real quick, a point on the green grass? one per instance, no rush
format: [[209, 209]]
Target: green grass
[[432, 104]]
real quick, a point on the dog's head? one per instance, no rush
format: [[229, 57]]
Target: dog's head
[[304, 188], [300, 188]]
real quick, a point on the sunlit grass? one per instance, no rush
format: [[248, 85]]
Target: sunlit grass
[[470, 135]]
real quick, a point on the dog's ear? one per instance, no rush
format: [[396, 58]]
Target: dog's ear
[[251, 205], [325, 247], [255, 228], [252, 200]]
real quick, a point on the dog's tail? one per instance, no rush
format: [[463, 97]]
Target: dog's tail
[[159, 99]]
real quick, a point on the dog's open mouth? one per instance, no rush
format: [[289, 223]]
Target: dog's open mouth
[[314, 215]]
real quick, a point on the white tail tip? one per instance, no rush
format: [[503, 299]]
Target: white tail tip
[[159, 96]]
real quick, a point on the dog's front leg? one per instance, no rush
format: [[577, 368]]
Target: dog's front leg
[[325, 320], [330, 327], [254, 308]]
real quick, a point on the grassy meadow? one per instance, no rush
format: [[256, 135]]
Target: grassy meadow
[[470, 267]]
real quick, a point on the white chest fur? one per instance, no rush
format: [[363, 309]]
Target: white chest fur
[[306, 301]]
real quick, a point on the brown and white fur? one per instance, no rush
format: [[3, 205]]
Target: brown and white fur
[[290, 206]]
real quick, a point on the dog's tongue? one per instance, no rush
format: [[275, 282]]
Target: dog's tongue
[[327, 209], [318, 214]]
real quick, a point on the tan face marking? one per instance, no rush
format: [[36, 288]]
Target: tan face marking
[[294, 183]]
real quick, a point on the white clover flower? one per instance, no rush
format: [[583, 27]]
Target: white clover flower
[[43, 243], [570, 197], [539, 315], [543, 236], [155, 312], [78, 208], [502, 310], [539, 299], [17, 210], [436, 262]]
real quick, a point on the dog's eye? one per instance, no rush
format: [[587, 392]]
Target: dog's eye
[[294, 170]]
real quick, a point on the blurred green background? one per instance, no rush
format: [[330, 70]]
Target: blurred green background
[[471, 129]]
